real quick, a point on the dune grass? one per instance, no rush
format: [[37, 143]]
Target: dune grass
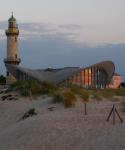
[[123, 106], [83, 93], [58, 97], [28, 88], [69, 99], [66, 95]]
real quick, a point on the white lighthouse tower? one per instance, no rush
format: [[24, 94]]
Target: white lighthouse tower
[[12, 57]]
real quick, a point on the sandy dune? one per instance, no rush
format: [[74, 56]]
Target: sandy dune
[[61, 129]]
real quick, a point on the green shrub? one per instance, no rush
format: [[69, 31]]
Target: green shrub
[[28, 88], [48, 88], [123, 106], [69, 99], [97, 96], [83, 93], [2, 80], [58, 97], [107, 93], [75, 88], [114, 99], [120, 92]]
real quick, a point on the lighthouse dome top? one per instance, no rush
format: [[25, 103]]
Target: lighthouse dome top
[[12, 19]]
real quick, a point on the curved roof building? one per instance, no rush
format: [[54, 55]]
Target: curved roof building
[[98, 75]]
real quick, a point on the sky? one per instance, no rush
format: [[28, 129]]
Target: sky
[[70, 32], [100, 21]]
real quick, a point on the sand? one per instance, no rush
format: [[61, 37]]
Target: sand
[[60, 129]]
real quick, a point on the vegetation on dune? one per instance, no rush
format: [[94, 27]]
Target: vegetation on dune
[[114, 92], [48, 88], [58, 97], [66, 95], [2, 80], [120, 92], [123, 106], [26, 88], [29, 88], [97, 96], [107, 93], [83, 93], [69, 99]]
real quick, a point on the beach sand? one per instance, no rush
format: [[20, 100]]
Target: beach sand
[[60, 129]]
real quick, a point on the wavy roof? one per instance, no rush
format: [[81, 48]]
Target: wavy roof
[[61, 74]]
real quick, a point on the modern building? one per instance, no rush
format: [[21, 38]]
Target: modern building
[[95, 76]]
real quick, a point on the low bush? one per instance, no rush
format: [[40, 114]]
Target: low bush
[[97, 96], [48, 88], [21, 86], [83, 93], [75, 88], [120, 92], [114, 99], [2, 80], [123, 106], [107, 93], [28, 88], [69, 99], [58, 97]]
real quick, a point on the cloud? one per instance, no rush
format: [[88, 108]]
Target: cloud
[[36, 27], [70, 27], [74, 33], [41, 30], [68, 32]]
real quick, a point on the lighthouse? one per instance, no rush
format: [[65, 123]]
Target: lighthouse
[[12, 55]]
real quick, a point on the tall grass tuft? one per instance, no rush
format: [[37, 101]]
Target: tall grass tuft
[[48, 88], [69, 99], [107, 93], [120, 92], [58, 97], [123, 106], [97, 96], [83, 93]]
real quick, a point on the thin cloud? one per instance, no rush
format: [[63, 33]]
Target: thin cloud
[[70, 27]]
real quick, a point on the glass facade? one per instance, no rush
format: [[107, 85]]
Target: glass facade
[[93, 77]]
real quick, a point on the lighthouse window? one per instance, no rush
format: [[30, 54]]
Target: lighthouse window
[[11, 25]]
